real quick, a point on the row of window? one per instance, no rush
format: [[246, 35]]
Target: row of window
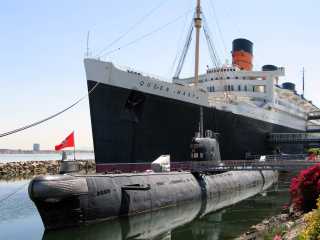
[[230, 88], [222, 70], [221, 78]]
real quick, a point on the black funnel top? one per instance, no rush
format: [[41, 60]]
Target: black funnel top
[[242, 44]]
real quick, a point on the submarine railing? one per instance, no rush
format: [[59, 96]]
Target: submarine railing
[[284, 164], [252, 162], [252, 165]]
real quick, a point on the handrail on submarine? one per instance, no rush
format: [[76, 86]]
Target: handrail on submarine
[[253, 165]]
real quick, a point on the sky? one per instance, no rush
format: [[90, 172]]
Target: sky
[[43, 44]]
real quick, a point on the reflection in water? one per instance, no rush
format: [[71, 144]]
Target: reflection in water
[[231, 222], [143, 226], [159, 224]]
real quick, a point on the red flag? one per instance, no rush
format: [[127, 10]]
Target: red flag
[[68, 142]]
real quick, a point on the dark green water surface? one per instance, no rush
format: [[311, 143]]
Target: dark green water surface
[[19, 219]]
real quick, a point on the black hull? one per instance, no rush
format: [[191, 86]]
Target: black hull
[[135, 127]]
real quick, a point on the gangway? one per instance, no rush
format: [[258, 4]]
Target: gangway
[[314, 115], [313, 128], [293, 138]]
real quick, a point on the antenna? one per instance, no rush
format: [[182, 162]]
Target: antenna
[[88, 50], [198, 25], [303, 82]]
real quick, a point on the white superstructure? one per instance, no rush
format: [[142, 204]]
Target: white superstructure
[[256, 94]]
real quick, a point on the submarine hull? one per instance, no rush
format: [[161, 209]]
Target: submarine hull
[[72, 200]]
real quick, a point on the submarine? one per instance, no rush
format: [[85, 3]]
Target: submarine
[[159, 224], [72, 199]]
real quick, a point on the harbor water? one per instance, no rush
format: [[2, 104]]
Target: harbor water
[[19, 218]]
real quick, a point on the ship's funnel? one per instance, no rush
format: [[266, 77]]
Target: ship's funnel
[[242, 53]]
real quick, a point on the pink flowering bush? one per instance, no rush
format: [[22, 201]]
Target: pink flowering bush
[[277, 237], [305, 189]]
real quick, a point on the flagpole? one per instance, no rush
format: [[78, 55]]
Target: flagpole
[[74, 149]]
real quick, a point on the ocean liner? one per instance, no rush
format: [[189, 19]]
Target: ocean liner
[[137, 117]]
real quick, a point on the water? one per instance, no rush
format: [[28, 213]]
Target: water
[[18, 216], [19, 219], [4, 158]]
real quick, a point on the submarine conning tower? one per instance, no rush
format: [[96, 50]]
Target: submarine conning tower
[[242, 56]]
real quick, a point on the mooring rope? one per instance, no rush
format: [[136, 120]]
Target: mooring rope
[[50, 117], [13, 193]]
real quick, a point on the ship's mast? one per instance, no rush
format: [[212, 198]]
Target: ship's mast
[[198, 25]]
